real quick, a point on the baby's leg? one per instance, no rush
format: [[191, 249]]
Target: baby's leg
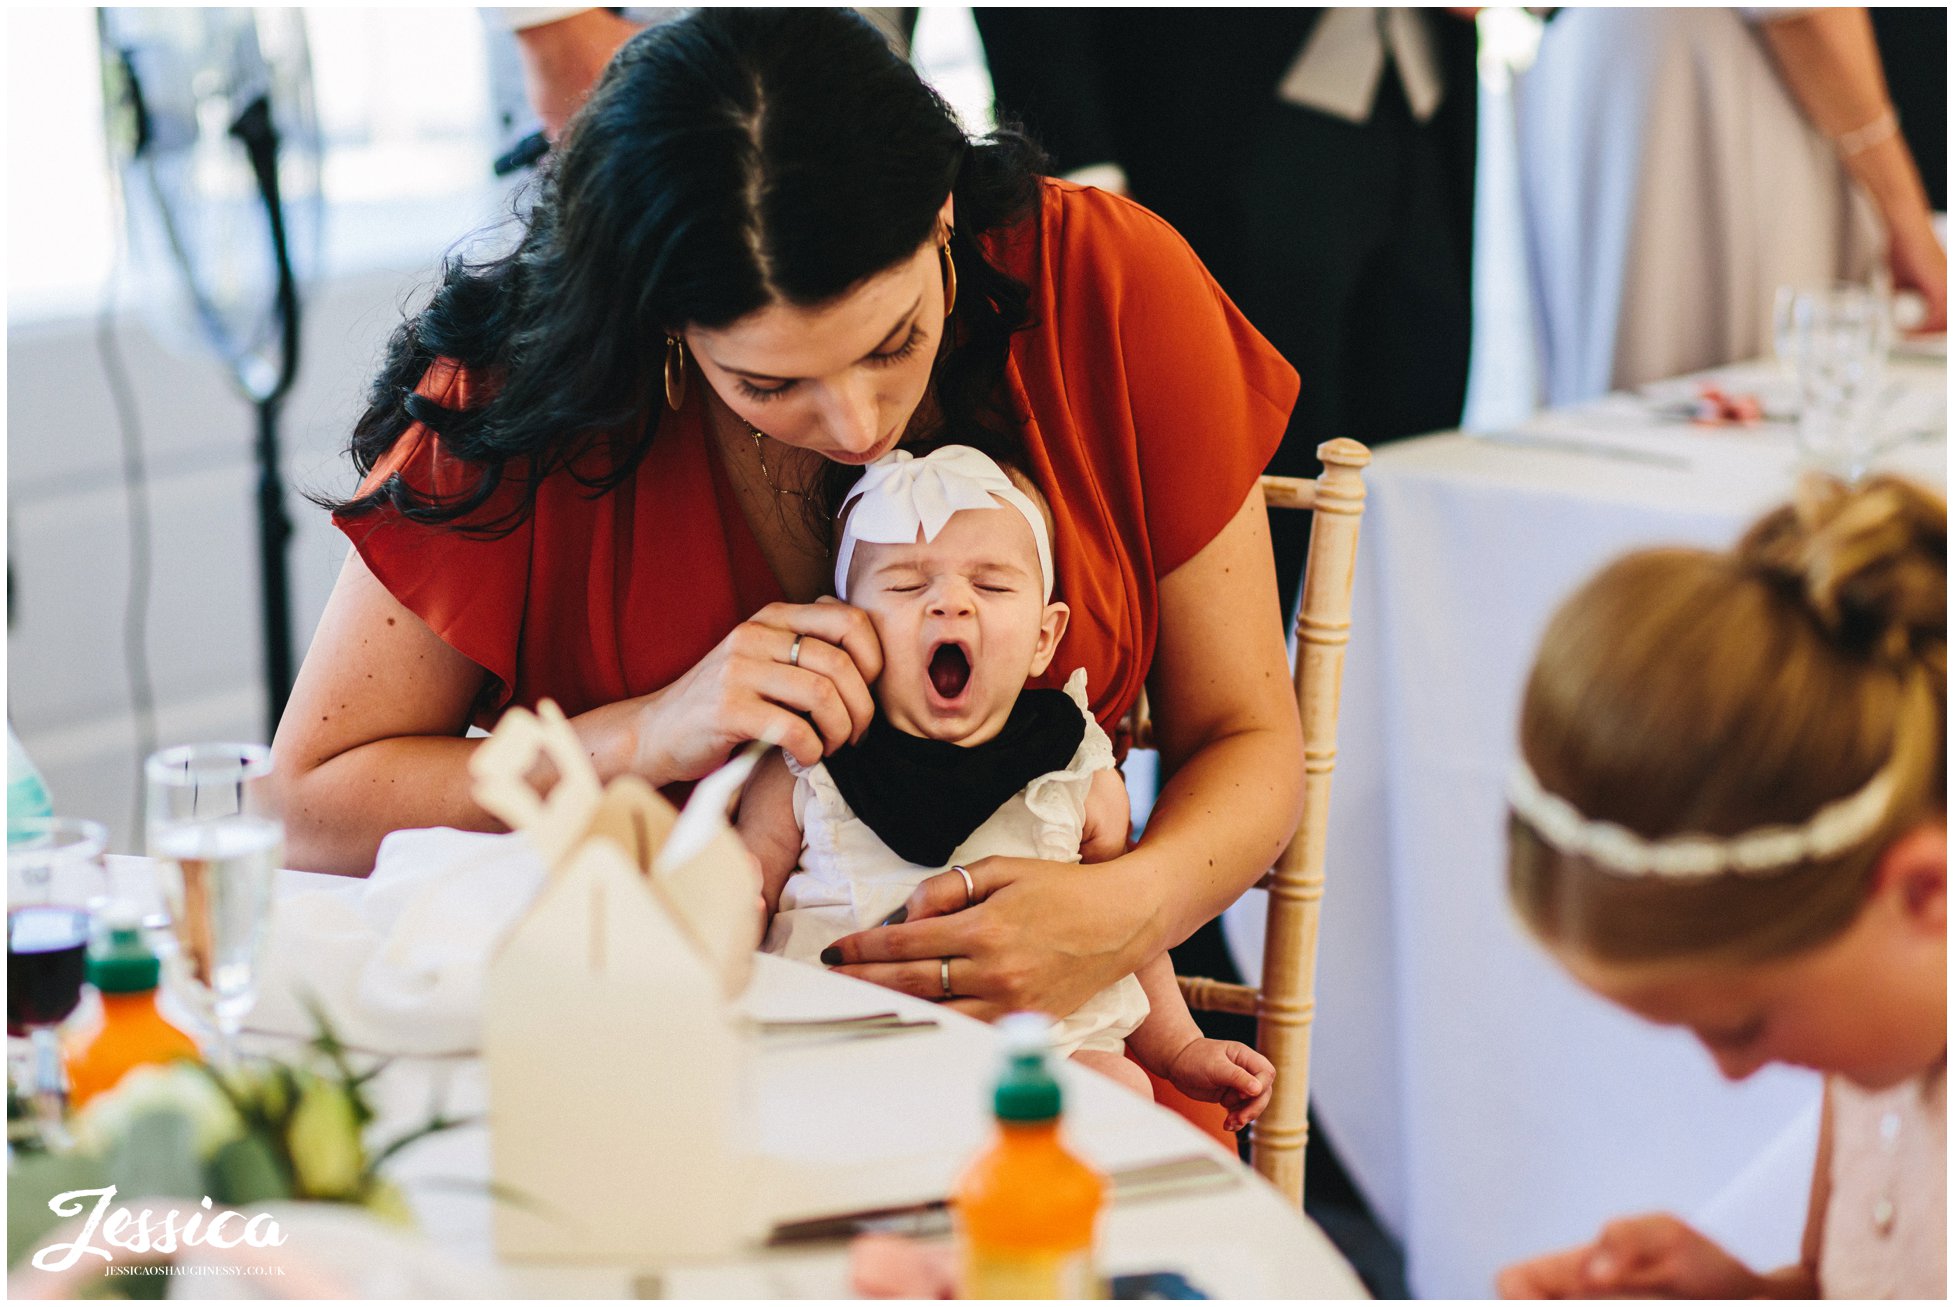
[[1117, 1066]]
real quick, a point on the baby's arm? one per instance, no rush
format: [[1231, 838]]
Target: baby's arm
[[1109, 816], [1170, 1045], [766, 822]]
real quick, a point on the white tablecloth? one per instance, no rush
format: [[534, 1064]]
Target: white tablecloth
[[1488, 1107], [836, 1126]]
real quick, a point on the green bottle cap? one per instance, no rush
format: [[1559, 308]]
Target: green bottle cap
[[123, 962], [1026, 1089]]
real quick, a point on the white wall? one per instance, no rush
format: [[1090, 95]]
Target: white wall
[[68, 534]]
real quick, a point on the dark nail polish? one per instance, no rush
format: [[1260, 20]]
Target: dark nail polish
[[831, 957]]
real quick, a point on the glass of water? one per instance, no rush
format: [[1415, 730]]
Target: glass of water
[[214, 825], [1834, 340]]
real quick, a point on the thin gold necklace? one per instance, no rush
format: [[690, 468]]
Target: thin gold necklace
[[760, 439]]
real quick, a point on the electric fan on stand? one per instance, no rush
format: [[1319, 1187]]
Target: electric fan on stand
[[216, 146]]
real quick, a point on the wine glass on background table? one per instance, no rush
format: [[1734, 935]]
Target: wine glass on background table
[[1835, 339], [213, 824], [55, 885]]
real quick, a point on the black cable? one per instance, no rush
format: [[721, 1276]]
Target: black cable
[[135, 489]]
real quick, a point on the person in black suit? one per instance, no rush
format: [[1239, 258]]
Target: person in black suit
[[1347, 243], [1913, 51]]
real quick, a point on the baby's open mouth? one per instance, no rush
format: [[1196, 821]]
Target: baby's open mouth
[[949, 670]]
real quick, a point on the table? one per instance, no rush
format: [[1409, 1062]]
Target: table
[[1486, 1106], [842, 1125]]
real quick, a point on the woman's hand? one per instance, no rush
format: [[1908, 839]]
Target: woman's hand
[[1655, 1256], [1919, 264], [754, 686], [1039, 936]]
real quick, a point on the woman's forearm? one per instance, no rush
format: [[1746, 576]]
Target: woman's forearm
[[338, 810], [337, 813], [1231, 743], [1219, 824], [1830, 62]]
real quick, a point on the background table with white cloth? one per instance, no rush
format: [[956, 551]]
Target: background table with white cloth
[[1488, 1107]]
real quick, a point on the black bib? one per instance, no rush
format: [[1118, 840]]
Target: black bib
[[925, 797]]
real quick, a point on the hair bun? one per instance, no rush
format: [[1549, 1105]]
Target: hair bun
[[1868, 561]]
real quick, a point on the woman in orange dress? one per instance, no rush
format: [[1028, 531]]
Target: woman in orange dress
[[600, 470]]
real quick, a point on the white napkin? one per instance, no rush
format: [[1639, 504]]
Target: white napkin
[[399, 960]]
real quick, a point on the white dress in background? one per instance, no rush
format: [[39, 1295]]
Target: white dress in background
[[849, 880], [1669, 184]]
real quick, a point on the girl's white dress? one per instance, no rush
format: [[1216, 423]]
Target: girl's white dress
[[850, 880], [1885, 1197]]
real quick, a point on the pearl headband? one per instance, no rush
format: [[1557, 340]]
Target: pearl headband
[[901, 495], [1828, 832]]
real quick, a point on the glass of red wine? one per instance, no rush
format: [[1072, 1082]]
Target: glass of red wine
[[55, 882]]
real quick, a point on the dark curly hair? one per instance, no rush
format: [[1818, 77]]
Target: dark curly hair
[[729, 160]]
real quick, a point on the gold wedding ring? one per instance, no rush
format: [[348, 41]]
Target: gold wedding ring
[[794, 651], [969, 887], [946, 978]]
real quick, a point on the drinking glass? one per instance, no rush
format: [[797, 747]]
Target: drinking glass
[[213, 823], [55, 885], [1835, 340]]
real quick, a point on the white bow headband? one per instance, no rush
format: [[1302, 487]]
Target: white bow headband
[[901, 494], [1830, 831]]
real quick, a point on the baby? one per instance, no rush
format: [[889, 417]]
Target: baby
[[951, 559]]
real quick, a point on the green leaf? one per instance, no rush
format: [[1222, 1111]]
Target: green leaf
[[31, 1181], [246, 1171], [157, 1154], [434, 1125]]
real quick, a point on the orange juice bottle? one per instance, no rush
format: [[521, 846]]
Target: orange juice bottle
[[1027, 1210], [132, 1032]]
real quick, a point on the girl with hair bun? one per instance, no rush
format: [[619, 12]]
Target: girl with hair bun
[[1730, 816]]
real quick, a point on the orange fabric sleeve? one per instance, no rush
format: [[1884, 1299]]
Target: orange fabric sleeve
[[1210, 397], [472, 592], [1150, 406]]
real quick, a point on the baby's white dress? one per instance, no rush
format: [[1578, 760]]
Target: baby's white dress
[[850, 880]]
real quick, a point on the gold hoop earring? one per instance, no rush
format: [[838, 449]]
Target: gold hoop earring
[[949, 278], [674, 372]]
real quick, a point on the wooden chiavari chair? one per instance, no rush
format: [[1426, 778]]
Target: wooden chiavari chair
[[1285, 1003]]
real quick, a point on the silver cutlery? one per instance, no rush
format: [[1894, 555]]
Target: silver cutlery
[[1571, 445], [1174, 1178]]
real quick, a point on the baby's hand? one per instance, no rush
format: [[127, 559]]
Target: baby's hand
[[1223, 1071], [1109, 816]]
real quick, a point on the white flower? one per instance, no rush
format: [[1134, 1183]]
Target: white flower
[[179, 1087]]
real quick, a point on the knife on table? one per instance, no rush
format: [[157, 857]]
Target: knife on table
[[1174, 1178]]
